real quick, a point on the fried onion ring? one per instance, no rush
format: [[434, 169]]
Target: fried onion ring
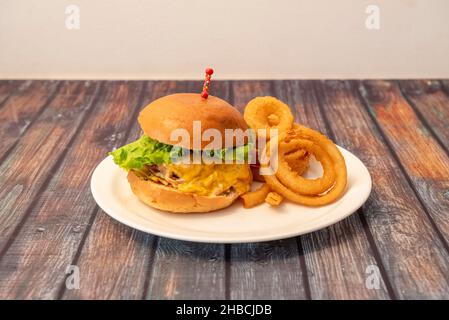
[[302, 185], [297, 160], [300, 132], [300, 166], [292, 155], [268, 113]]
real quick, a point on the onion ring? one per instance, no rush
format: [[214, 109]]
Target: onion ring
[[298, 165], [327, 145], [268, 113], [291, 154], [302, 185], [338, 161], [298, 160]]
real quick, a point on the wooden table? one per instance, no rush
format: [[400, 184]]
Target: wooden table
[[53, 133]]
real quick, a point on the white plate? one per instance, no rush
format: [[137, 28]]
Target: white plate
[[234, 224]]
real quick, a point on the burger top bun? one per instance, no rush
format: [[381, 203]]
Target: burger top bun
[[179, 111]]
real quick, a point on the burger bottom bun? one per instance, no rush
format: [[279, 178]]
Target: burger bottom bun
[[169, 199]]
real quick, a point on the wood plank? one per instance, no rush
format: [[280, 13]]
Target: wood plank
[[25, 170], [431, 104], [423, 159], [187, 270], [267, 270], [20, 110], [344, 247], [9, 87], [113, 263], [43, 245], [413, 255], [56, 225]]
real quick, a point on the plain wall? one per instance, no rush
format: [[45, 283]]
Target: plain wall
[[240, 39]]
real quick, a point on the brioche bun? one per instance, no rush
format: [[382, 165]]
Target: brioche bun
[[169, 199], [178, 111]]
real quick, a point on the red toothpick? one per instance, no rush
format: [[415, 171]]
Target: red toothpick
[[205, 92]]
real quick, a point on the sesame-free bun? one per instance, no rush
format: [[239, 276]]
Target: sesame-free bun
[[169, 199], [178, 111]]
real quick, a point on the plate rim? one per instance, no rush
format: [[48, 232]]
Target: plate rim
[[249, 239]]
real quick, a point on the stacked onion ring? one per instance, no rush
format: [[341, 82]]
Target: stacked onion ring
[[295, 144]]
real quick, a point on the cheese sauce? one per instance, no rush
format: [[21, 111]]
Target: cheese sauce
[[212, 179]]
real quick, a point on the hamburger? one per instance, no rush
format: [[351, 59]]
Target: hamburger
[[161, 180]]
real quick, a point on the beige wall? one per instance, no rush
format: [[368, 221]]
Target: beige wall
[[157, 39]]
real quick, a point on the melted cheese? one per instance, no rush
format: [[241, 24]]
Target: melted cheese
[[212, 179]]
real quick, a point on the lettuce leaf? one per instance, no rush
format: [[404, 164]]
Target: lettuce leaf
[[147, 151], [140, 152]]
